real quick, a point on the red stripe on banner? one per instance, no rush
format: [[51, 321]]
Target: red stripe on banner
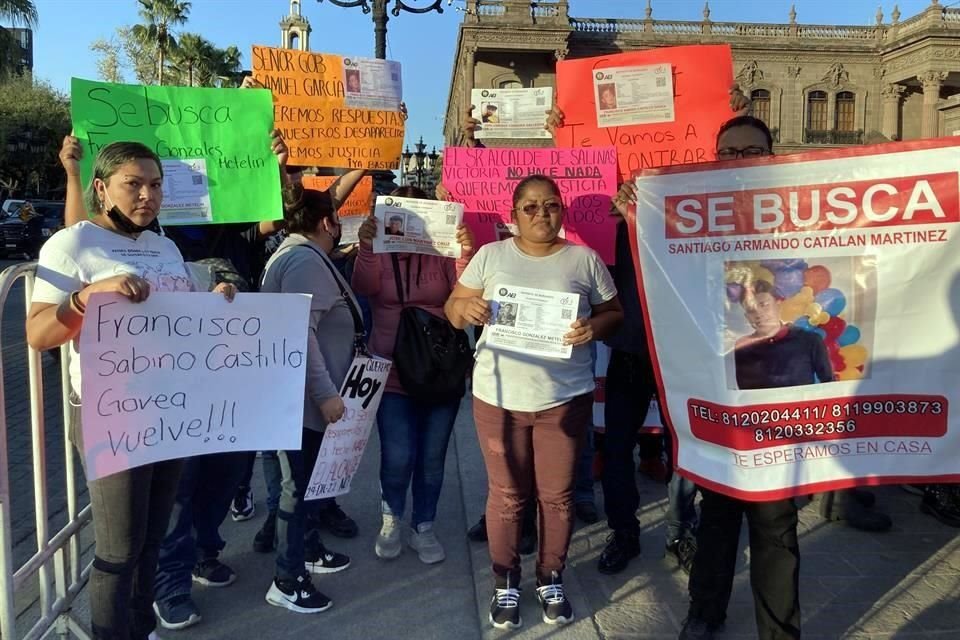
[[762, 426], [878, 202]]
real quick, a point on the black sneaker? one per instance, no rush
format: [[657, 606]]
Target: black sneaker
[[696, 629], [319, 559], [478, 532], [210, 572], [505, 604], [333, 519], [556, 607], [266, 539], [943, 503], [179, 612], [683, 549], [243, 506], [622, 547], [297, 595]]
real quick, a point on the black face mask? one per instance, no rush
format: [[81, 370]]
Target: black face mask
[[126, 225]]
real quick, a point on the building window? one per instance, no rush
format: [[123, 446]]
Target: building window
[[846, 111], [511, 84], [817, 111], [761, 105], [294, 41]]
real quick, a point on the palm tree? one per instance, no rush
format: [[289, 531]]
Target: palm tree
[[194, 56], [17, 12], [159, 16], [228, 68]]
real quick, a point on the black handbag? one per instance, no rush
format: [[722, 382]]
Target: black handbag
[[431, 357]]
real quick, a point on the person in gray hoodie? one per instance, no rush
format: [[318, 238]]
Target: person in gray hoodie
[[301, 265]]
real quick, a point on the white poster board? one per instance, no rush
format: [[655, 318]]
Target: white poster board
[[345, 440], [411, 225], [805, 313], [185, 374]]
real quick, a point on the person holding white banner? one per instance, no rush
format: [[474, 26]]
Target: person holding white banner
[[302, 265], [532, 410], [118, 250], [774, 548], [414, 431]]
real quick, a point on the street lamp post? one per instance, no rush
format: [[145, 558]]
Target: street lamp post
[[425, 162], [380, 17]]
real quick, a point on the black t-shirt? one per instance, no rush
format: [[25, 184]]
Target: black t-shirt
[[238, 242], [789, 359], [631, 337]]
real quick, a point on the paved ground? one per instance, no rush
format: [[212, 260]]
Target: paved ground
[[901, 584]]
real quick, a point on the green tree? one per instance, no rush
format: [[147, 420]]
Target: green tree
[[194, 58], [159, 16], [34, 118], [16, 12], [109, 59]]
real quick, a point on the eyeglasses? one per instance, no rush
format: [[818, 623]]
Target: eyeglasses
[[551, 208], [729, 153]]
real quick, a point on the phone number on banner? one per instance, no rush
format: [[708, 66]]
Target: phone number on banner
[[769, 425]]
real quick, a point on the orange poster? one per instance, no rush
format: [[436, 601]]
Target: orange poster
[[360, 201], [679, 133], [311, 107]]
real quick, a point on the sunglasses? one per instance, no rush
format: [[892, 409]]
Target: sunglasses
[[551, 208]]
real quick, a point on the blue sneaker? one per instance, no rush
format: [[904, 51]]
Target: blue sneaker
[[179, 612]]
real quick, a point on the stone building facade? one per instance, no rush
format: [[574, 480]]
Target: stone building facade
[[815, 85]]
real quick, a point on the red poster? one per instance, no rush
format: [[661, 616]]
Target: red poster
[[701, 78]]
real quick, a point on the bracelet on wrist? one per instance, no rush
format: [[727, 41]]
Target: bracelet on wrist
[[76, 304]]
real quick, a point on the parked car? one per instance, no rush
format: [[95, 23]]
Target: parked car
[[23, 233], [10, 207]]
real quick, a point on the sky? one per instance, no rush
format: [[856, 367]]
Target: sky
[[423, 44]]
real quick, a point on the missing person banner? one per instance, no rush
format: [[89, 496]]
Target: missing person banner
[[334, 111], [410, 225], [182, 374], [214, 145], [512, 113], [345, 441], [805, 314], [354, 210], [483, 180], [659, 107]]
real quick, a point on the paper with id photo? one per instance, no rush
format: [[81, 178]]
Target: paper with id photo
[[186, 192], [532, 321]]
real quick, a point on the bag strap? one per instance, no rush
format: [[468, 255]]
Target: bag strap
[[358, 344], [396, 278]]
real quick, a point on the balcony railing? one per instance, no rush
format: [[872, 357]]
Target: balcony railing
[[813, 136]]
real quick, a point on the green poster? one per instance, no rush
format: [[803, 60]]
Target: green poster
[[214, 144]]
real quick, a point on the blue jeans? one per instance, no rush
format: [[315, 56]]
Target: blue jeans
[[271, 476], [681, 515], [583, 490], [413, 444], [296, 467], [206, 489]]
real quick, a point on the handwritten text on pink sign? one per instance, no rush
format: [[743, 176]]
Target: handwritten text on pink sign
[[483, 180]]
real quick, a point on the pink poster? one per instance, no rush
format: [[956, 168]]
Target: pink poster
[[483, 180]]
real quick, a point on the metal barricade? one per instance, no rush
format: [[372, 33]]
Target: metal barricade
[[57, 560]]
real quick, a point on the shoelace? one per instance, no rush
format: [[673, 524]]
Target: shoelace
[[552, 593], [508, 598]]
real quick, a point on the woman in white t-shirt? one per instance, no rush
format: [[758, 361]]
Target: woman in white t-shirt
[[532, 412], [118, 250]]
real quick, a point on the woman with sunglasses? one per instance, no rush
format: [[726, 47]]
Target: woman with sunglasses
[[532, 413]]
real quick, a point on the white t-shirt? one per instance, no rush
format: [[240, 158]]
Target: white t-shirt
[[85, 253], [520, 382]]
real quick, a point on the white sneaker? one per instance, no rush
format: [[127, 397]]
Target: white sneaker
[[388, 544], [424, 542]]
